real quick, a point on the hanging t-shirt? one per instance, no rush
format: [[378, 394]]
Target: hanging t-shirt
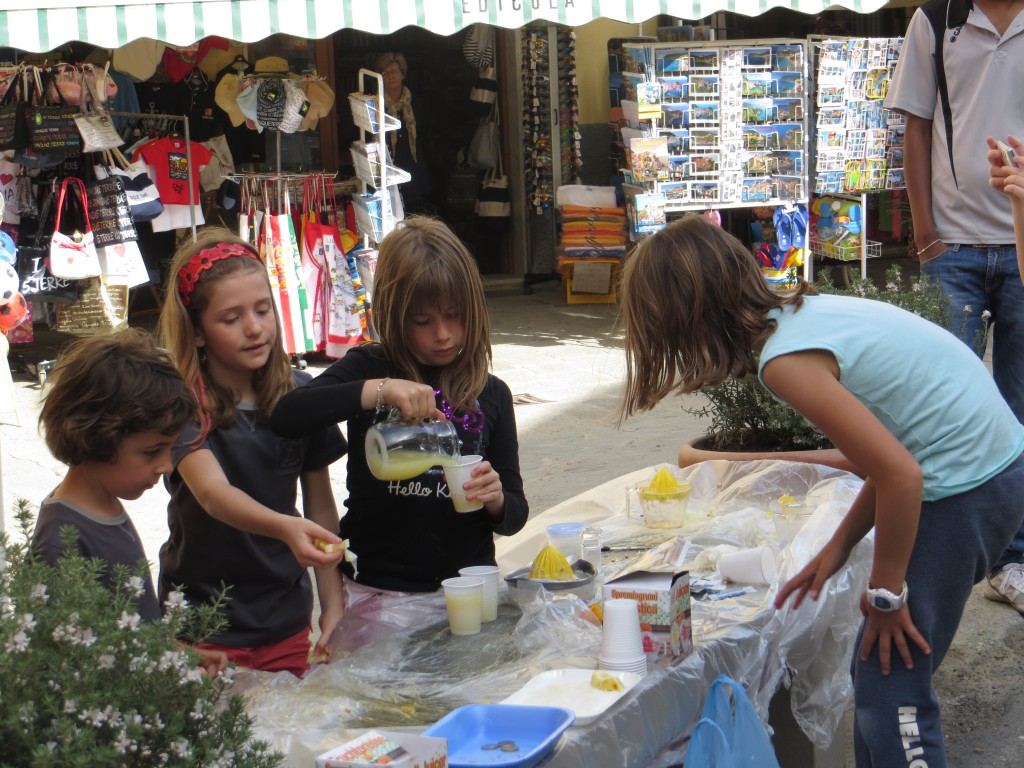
[[161, 98], [168, 159], [203, 119]]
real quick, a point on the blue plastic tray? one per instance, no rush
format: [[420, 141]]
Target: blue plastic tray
[[534, 731]]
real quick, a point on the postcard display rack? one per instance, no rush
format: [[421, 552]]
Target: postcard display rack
[[858, 143], [724, 126], [378, 210]]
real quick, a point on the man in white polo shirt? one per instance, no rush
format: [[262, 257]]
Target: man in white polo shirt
[[959, 80]]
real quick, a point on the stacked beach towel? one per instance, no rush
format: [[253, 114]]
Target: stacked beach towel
[[593, 244]]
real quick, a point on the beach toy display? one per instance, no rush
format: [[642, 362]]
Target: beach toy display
[[401, 449]]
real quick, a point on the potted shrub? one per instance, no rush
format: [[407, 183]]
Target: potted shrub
[[747, 422], [85, 682]]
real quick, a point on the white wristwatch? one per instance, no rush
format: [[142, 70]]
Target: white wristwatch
[[884, 600]]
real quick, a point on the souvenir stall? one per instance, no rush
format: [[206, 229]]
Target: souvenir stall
[[76, 199], [138, 151]]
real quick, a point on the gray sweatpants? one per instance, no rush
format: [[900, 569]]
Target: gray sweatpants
[[897, 722]]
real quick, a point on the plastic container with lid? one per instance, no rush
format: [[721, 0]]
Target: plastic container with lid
[[567, 538]]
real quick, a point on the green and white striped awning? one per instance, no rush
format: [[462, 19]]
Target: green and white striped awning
[[43, 25]]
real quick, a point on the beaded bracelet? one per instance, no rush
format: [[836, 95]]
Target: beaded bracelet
[[380, 387]]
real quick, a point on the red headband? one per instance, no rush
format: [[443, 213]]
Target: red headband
[[189, 274]]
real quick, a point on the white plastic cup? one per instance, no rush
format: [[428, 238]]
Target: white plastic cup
[[748, 566], [455, 475], [463, 596], [621, 639], [567, 538], [490, 576]]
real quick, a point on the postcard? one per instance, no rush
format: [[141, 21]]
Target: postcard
[[649, 159]]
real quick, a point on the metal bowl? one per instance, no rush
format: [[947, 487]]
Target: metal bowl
[[522, 587]]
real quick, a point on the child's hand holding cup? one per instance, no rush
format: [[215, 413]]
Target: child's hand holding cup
[[457, 474]]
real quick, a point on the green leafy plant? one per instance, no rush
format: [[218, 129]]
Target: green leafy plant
[[744, 415], [85, 682]]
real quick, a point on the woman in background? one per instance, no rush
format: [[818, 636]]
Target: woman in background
[[406, 145]]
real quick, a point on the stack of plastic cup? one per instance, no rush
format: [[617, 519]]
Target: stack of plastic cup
[[489, 573], [463, 595], [622, 645]]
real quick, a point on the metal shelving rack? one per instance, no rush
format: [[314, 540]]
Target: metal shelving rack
[[376, 213]]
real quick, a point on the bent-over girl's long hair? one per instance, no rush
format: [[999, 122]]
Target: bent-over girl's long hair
[[422, 265], [694, 307], [179, 323]]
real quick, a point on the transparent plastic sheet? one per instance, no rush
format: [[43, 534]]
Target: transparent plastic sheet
[[415, 671]]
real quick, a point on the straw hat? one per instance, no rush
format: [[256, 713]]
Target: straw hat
[[273, 65], [226, 97]]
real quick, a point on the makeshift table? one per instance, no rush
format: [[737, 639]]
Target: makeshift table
[[409, 679]]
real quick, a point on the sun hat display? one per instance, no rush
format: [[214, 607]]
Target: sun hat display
[[321, 101], [296, 107], [139, 58], [246, 100], [226, 97], [270, 102], [271, 65]]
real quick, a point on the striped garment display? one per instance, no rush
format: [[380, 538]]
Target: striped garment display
[[43, 25]]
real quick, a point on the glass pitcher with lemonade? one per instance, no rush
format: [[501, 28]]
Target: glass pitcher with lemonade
[[401, 449]]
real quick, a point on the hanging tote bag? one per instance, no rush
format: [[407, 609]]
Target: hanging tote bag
[[279, 251], [97, 128], [37, 282], [101, 307], [142, 194], [493, 205], [13, 133], [732, 711], [98, 131], [485, 146], [293, 255], [484, 93], [314, 268], [51, 128], [109, 212], [73, 256]]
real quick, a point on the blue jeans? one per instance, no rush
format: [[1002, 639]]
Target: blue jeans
[[980, 279], [896, 716]]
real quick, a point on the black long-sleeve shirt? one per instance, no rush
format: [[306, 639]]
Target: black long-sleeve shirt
[[406, 533]]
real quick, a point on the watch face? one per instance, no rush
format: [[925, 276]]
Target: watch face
[[881, 603]]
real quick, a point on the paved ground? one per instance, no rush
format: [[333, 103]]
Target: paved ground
[[566, 364]]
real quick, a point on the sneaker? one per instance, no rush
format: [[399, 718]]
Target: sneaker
[[1007, 586]]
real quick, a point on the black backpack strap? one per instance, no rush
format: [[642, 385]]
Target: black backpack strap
[[946, 15]]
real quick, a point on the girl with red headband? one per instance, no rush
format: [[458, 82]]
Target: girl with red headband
[[232, 512]]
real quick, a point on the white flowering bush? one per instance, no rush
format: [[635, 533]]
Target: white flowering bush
[[85, 682]]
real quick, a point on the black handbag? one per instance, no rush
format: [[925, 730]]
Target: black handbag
[[51, 129], [109, 212], [37, 282], [12, 127]]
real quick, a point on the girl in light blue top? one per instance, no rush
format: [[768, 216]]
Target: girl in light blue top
[[909, 404]]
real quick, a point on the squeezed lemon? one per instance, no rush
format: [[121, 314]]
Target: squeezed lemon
[[664, 484]]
